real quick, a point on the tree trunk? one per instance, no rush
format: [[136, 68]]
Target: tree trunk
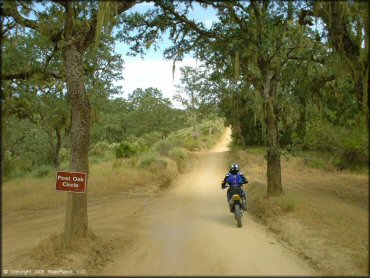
[[240, 133], [3, 128], [80, 136], [57, 147], [274, 186], [302, 122]]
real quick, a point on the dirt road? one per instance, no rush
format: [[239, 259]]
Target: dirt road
[[187, 230]]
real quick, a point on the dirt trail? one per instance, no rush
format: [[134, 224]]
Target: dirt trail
[[187, 230]]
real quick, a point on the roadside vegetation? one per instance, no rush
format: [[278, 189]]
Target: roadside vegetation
[[322, 215], [130, 166]]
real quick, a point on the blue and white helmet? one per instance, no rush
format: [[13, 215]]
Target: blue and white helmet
[[234, 168]]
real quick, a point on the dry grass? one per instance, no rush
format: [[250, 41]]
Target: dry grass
[[51, 251], [31, 193], [267, 208], [323, 215], [105, 178], [85, 254], [151, 170], [109, 177]]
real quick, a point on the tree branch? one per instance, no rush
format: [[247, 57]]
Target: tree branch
[[7, 27], [320, 61], [121, 6], [124, 6], [10, 9], [230, 7], [61, 2], [92, 31], [266, 4], [48, 59], [255, 7], [69, 23], [240, 6], [183, 19], [27, 74]]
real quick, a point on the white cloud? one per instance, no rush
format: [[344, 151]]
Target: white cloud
[[139, 73], [208, 22]]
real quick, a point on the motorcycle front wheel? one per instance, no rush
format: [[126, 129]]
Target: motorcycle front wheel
[[238, 215]]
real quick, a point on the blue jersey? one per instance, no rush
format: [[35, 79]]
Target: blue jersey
[[235, 180]]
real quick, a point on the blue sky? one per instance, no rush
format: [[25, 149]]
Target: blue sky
[[153, 70]]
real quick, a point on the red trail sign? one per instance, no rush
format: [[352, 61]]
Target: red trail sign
[[71, 182]]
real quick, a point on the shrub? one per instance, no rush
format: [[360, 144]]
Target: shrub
[[164, 167], [268, 208], [206, 128], [158, 165], [286, 202], [164, 146], [191, 144], [64, 154], [322, 136], [124, 149], [100, 149], [43, 171], [354, 152], [149, 139], [15, 166], [178, 154], [9, 165], [319, 160], [146, 159]]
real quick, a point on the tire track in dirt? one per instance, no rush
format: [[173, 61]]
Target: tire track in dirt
[[189, 231]]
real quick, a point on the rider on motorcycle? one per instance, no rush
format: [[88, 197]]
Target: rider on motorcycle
[[235, 179]]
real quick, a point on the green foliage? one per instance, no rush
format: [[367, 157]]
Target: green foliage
[[124, 150], [16, 167], [319, 160], [172, 148], [178, 154], [26, 147], [64, 154], [149, 139], [332, 147], [322, 136], [147, 159], [144, 117], [29, 136], [191, 143], [100, 149], [163, 147], [149, 111], [312, 83], [35, 81], [165, 168], [355, 151], [44, 170]]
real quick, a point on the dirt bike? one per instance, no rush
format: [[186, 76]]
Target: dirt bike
[[237, 205]]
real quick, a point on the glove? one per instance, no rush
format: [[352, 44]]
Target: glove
[[223, 185]]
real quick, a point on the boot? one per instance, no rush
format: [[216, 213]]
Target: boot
[[231, 208], [244, 203]]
